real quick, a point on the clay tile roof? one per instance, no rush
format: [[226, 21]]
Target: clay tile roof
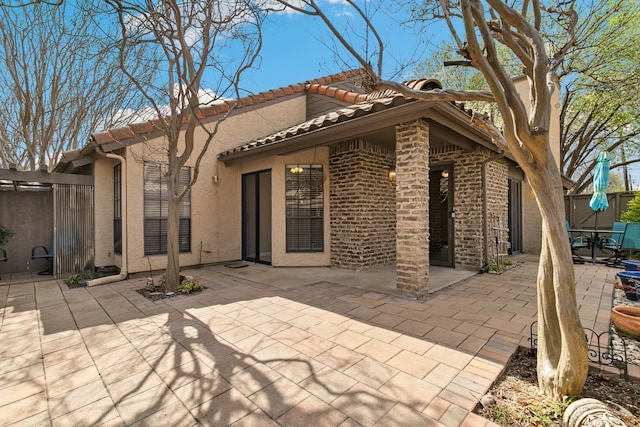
[[146, 127], [342, 115], [361, 105], [102, 137], [142, 127]]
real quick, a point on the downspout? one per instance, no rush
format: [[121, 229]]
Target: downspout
[[485, 221], [123, 269]]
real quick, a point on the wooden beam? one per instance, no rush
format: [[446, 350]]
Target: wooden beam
[[45, 178]]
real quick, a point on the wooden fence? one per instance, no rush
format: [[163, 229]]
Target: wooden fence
[[580, 215]]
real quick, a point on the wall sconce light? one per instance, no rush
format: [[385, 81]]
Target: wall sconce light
[[445, 173], [392, 174], [296, 169]]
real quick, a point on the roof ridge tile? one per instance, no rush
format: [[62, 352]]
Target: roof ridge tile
[[145, 127]]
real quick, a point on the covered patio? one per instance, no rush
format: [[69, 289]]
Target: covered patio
[[52, 212]]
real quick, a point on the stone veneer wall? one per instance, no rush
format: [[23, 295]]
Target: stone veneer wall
[[412, 208], [362, 206], [497, 173], [468, 223]]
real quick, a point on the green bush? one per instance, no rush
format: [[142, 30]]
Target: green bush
[[5, 233], [632, 214], [80, 279], [190, 285]]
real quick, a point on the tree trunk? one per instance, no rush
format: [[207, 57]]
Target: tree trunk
[[562, 349], [172, 275]]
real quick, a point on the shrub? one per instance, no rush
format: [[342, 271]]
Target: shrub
[[80, 279], [632, 214], [190, 285], [5, 233]]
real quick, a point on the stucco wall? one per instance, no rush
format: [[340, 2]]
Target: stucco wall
[[215, 207], [280, 256], [103, 172]]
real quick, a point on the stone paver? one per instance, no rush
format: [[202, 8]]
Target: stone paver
[[245, 353]]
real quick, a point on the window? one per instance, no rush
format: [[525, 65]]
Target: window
[[156, 210], [117, 209], [304, 208]]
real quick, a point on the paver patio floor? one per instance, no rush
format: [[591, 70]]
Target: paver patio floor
[[246, 353]]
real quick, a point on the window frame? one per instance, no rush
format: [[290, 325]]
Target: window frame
[[155, 220], [304, 208]]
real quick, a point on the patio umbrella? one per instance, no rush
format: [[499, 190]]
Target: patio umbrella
[[598, 202]]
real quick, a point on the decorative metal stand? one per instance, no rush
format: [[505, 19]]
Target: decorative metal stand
[[601, 349]]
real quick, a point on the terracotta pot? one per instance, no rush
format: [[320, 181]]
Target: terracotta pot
[[626, 320]]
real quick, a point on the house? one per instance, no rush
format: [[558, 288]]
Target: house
[[317, 174]]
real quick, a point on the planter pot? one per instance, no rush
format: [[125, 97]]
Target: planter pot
[[629, 281], [626, 320], [631, 265], [629, 278]]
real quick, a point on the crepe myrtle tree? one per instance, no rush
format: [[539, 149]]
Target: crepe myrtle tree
[[199, 50], [477, 28]]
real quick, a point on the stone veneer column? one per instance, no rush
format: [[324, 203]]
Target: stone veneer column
[[362, 205], [412, 208]]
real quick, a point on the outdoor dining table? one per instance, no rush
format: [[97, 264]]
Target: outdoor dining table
[[594, 239]]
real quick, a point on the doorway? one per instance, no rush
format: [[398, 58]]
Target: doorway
[[441, 216], [256, 217]]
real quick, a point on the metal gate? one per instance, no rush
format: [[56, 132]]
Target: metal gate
[[73, 219]]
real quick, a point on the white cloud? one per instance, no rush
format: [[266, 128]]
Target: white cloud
[[127, 116]]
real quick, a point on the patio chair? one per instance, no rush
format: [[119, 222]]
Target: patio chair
[[615, 243], [576, 242], [41, 252]]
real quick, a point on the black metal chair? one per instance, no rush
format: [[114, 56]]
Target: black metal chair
[[41, 252], [629, 243], [576, 242]]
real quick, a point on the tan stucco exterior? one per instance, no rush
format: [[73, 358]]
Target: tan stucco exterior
[[216, 205], [216, 198], [277, 166], [103, 172]]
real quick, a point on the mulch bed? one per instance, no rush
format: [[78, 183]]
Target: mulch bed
[[520, 403]]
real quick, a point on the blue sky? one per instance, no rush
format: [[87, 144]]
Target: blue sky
[[295, 50]]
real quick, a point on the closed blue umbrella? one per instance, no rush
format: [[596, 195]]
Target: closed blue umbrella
[[599, 201]]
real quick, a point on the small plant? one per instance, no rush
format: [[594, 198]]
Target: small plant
[[503, 265], [5, 234], [190, 284], [79, 279]]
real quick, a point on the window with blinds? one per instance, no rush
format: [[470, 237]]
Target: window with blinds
[[304, 186], [117, 209], [156, 206]]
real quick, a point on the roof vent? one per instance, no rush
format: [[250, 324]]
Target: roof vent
[[424, 84]]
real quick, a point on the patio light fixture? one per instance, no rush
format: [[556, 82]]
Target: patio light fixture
[[296, 169], [392, 174], [445, 173]]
